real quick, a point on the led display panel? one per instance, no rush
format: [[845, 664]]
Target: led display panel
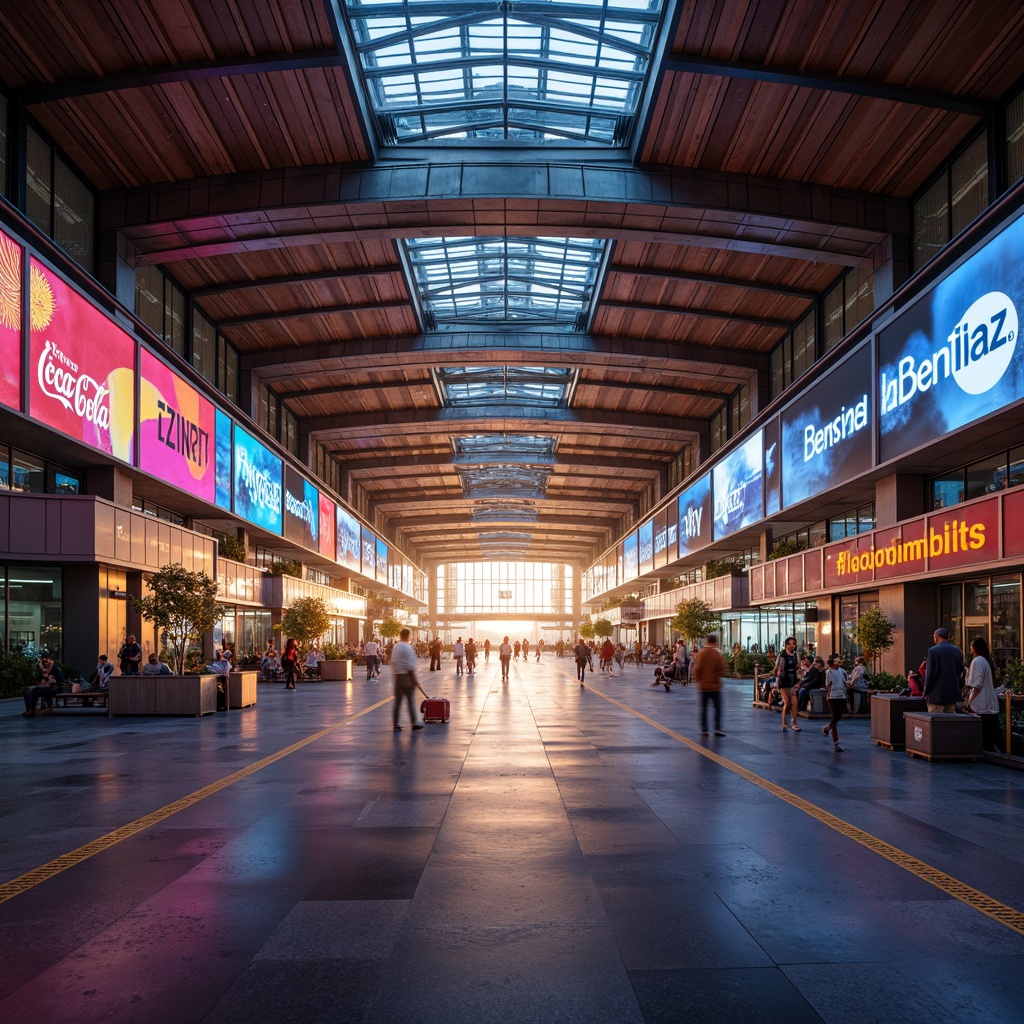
[[369, 554], [301, 510], [328, 534], [258, 486], [222, 492], [772, 468], [693, 510], [661, 538], [645, 547], [177, 430], [736, 491], [951, 357], [82, 368], [348, 534], [826, 435], [382, 561], [11, 262], [630, 557]]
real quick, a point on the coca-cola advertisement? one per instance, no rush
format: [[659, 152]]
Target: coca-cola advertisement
[[176, 430], [82, 368], [11, 261]]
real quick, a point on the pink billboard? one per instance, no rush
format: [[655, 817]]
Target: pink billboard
[[327, 527], [81, 369], [11, 257], [177, 440]]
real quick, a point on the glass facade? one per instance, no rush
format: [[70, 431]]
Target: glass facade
[[32, 610], [512, 588], [989, 607]]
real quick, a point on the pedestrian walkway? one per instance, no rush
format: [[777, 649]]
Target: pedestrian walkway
[[552, 855]]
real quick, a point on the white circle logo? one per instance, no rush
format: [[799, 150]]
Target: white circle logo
[[984, 342]]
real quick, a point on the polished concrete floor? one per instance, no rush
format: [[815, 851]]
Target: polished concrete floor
[[547, 856]]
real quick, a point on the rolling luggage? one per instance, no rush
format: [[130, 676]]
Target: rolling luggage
[[436, 709]]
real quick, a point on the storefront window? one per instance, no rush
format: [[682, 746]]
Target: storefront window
[[976, 602], [1005, 619], [1016, 467], [947, 490], [63, 482], [28, 473], [851, 607], [34, 611], [986, 476], [951, 612]]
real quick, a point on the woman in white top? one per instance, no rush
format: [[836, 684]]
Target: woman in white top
[[980, 694], [459, 652], [835, 691]]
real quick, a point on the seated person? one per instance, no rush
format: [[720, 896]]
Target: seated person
[[270, 664], [221, 664], [858, 683], [664, 677], [813, 679], [313, 659], [915, 681], [100, 681], [155, 667], [51, 679]]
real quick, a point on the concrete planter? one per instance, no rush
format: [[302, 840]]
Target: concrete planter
[[162, 695], [336, 671], [888, 728]]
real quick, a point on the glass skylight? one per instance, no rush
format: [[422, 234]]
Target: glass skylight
[[505, 481], [536, 282], [533, 386], [498, 510], [499, 447], [516, 71]]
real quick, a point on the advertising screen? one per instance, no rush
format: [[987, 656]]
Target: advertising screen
[[736, 487], [772, 468], [11, 261], [826, 435], [369, 554], [348, 541], [301, 510], [645, 545], [661, 538], [257, 483], [328, 535], [382, 561], [951, 357], [630, 557], [82, 368], [694, 515], [222, 493], [177, 430]]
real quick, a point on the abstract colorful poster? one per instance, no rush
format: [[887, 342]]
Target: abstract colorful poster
[[258, 487], [11, 261]]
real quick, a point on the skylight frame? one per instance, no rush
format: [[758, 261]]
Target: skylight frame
[[536, 387]]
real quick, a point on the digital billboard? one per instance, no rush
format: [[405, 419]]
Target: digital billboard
[[257, 483], [301, 510], [369, 554], [11, 279], [82, 368], [630, 557], [826, 434], [328, 535], [693, 510], [645, 547], [222, 493], [382, 561], [951, 357], [661, 556], [349, 550], [177, 430], [772, 468], [736, 490]]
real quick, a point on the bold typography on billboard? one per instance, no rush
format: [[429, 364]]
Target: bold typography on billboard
[[82, 369], [258, 487], [736, 488], [177, 430], [348, 541], [661, 538], [826, 435], [222, 493], [694, 512], [630, 557], [328, 537], [369, 554], [301, 510], [951, 357], [11, 262], [645, 547], [382, 561]]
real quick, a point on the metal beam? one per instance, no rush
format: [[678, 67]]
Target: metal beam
[[373, 463], [311, 311], [345, 389], [528, 525], [293, 279], [829, 83], [697, 312], [716, 280]]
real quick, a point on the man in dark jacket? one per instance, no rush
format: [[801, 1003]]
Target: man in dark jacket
[[51, 679], [944, 673]]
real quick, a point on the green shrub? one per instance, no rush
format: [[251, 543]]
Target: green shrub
[[1011, 675], [16, 672], [888, 682], [334, 652]]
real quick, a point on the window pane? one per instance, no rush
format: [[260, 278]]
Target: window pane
[[74, 215], [3, 157], [5, 467], [175, 319], [149, 298], [947, 490], [1016, 467], [35, 611], [860, 296], [27, 474], [204, 353], [1005, 619], [39, 183], [62, 481], [969, 176], [778, 370], [803, 345], [986, 476], [1015, 140], [931, 222], [834, 326], [976, 597]]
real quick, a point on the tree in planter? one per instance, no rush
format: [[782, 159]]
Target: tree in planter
[[603, 628], [306, 620], [694, 620], [587, 631], [182, 605], [875, 634], [390, 628]]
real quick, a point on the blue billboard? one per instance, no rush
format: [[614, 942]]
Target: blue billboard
[[301, 510], [645, 547], [630, 559], [369, 554], [349, 550], [951, 358], [772, 468], [222, 489], [736, 489], [257, 483], [694, 515], [382, 561]]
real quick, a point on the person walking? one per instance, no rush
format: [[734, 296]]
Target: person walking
[[786, 671], [487, 651], [835, 691], [435, 654], [504, 656], [980, 694], [403, 671], [470, 657], [526, 649], [583, 660], [608, 656], [371, 655], [943, 673], [540, 647], [708, 669], [459, 653], [516, 649], [290, 663]]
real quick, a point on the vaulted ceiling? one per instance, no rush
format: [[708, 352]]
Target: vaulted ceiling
[[778, 145]]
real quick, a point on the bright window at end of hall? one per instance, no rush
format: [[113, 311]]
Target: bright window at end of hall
[[533, 71]]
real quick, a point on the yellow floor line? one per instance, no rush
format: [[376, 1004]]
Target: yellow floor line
[[16, 886], [1000, 912]]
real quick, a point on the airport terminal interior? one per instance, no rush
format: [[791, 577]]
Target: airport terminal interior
[[536, 319]]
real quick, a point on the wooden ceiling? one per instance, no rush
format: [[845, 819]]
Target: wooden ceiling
[[779, 147]]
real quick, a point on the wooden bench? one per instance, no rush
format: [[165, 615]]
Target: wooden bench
[[82, 699]]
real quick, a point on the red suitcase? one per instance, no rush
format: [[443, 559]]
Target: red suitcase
[[436, 709]]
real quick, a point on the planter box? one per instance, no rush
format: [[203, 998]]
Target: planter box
[[336, 671], [888, 728], [162, 695], [942, 737], [242, 688]]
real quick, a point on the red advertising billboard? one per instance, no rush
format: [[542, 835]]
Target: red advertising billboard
[[11, 260], [328, 537], [81, 369]]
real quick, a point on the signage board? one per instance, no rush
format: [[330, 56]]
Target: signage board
[[258, 483], [222, 492], [82, 368], [826, 434], [661, 555], [12, 259], [953, 356], [772, 468], [382, 561], [736, 487], [645, 547], [348, 534], [328, 539], [693, 511], [630, 557], [368, 551], [301, 510]]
